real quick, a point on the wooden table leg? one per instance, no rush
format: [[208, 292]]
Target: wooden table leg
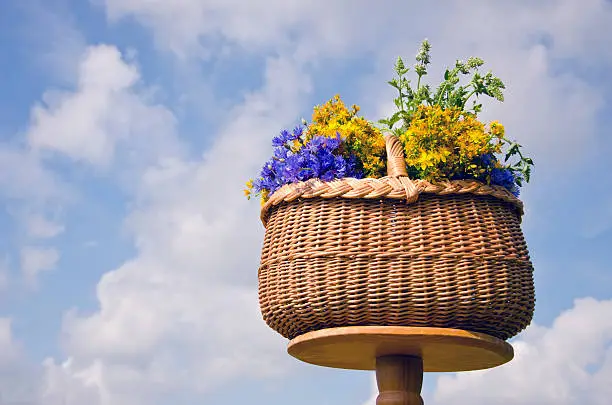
[[399, 379]]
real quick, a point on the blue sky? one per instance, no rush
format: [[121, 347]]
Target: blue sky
[[128, 254]]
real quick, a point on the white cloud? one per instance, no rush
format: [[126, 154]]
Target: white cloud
[[19, 381], [545, 108], [23, 177], [104, 110], [239, 21], [552, 109], [320, 27], [4, 273], [184, 312], [310, 29], [236, 21], [38, 226], [569, 362], [35, 260], [9, 348], [77, 124], [580, 30], [54, 43], [63, 385]]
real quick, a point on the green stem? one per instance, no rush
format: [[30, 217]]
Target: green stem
[[400, 95], [442, 93], [468, 97]]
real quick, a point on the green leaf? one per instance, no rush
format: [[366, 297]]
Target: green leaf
[[395, 117]]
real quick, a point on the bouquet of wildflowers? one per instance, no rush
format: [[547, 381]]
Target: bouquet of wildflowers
[[336, 144], [442, 137]]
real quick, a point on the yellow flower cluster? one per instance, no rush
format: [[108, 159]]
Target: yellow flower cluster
[[248, 192], [362, 139], [443, 143]]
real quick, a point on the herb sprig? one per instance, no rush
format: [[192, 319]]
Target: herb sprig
[[454, 92]]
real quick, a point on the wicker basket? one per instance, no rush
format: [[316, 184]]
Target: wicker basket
[[395, 252]]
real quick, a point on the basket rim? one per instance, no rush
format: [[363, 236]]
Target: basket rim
[[399, 188]]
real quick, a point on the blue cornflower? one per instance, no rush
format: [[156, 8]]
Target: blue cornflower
[[281, 139], [352, 169], [297, 133], [505, 178], [268, 169], [502, 177], [326, 158], [334, 143], [319, 158], [460, 176], [488, 160], [314, 165], [315, 144], [340, 167], [291, 168], [281, 153]]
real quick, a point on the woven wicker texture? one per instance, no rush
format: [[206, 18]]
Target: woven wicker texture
[[395, 252]]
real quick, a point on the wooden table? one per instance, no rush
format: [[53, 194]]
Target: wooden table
[[400, 355]]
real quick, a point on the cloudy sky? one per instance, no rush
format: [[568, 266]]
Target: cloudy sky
[[128, 255]]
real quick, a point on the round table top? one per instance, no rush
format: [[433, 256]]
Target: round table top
[[442, 349]]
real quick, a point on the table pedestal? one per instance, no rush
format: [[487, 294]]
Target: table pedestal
[[400, 355]]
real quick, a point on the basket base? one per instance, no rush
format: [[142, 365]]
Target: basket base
[[441, 349]]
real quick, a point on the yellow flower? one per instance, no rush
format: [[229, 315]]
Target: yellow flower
[[441, 143], [361, 138], [264, 197], [249, 188]]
